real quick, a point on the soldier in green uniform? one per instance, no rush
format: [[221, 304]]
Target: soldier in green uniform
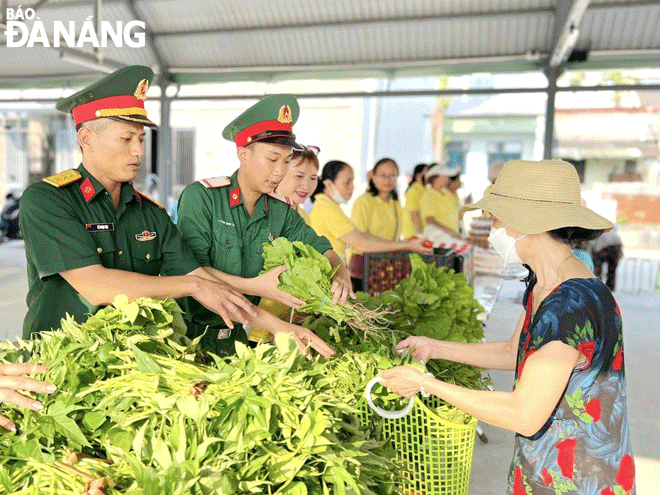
[[89, 236], [226, 220]]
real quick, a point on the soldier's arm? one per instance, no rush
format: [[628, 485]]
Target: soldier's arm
[[100, 285]]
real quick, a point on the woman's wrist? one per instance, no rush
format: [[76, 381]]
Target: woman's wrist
[[423, 384]]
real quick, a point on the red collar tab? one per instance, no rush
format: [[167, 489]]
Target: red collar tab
[[234, 196], [246, 136], [109, 107], [87, 190]]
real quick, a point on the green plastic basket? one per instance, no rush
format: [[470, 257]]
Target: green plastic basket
[[436, 453]]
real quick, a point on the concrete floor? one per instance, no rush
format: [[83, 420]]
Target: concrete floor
[[641, 319]]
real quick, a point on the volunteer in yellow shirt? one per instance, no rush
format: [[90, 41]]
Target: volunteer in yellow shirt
[[412, 224], [440, 205], [328, 219]]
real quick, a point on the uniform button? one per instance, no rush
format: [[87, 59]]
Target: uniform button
[[99, 250], [148, 256], [121, 252]]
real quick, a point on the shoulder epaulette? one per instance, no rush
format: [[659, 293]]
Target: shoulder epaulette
[[151, 200], [215, 182], [281, 198], [63, 178]]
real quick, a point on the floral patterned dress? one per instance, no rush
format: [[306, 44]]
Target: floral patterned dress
[[584, 447]]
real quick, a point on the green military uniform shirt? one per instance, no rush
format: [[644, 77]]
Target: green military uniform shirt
[[215, 224], [76, 225]]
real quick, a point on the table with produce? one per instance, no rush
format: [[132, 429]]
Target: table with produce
[[139, 409]]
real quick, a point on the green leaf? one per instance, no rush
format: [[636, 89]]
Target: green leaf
[[65, 425], [145, 363]]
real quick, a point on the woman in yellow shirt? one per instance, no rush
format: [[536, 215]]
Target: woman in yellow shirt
[[328, 219], [413, 224], [440, 205]]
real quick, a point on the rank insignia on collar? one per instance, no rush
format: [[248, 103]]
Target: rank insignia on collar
[[284, 115], [145, 235], [271, 237], [87, 189], [234, 196]]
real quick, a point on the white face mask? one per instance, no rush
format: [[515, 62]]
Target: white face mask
[[505, 245], [337, 198]]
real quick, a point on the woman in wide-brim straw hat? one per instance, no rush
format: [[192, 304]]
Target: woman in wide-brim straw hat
[[568, 404]]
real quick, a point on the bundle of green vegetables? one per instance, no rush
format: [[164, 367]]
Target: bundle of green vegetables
[[138, 411], [309, 277]]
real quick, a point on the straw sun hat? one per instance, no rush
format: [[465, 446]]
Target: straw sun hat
[[533, 197]]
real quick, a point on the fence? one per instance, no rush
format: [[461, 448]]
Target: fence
[[638, 276]]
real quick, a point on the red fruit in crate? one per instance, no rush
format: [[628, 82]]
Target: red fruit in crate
[[381, 274], [427, 244], [390, 268]]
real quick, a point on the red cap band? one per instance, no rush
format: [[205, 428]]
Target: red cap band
[[106, 107], [242, 138]]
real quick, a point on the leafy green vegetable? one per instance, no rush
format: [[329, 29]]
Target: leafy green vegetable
[[309, 277], [147, 414]]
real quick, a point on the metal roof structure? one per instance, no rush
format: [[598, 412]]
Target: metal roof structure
[[190, 41]]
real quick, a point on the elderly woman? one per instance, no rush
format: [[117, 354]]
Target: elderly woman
[[568, 404]]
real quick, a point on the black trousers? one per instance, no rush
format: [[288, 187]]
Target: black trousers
[[610, 256]]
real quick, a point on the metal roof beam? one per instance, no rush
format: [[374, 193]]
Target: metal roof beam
[[149, 36], [426, 92], [568, 18]]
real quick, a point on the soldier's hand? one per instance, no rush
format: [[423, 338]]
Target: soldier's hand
[[342, 287], [230, 304], [12, 380], [306, 339], [265, 285]]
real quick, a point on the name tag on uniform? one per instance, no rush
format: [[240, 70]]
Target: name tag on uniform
[[100, 227]]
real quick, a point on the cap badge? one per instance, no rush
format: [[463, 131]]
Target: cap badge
[[285, 115], [141, 91]]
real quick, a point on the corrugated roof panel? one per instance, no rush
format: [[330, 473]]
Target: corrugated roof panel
[[627, 27], [417, 40], [168, 15]]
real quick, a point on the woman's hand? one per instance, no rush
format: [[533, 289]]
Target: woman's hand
[[423, 348], [12, 380], [404, 380], [420, 246], [265, 285], [341, 287]]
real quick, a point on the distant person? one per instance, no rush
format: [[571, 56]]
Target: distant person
[[440, 205], [328, 219], [607, 250], [377, 211], [412, 224], [495, 170]]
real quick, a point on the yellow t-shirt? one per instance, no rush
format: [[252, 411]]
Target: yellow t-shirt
[[413, 197], [304, 215], [328, 220], [443, 205], [488, 190], [373, 215]]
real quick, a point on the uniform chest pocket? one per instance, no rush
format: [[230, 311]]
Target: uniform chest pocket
[[227, 249], [146, 256], [105, 247]]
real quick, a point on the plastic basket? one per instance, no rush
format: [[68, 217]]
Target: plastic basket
[[383, 271], [436, 454]]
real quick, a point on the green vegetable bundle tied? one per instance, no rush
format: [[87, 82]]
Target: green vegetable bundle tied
[[309, 277]]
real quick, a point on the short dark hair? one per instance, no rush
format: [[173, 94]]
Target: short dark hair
[[330, 172], [372, 187], [574, 236]]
